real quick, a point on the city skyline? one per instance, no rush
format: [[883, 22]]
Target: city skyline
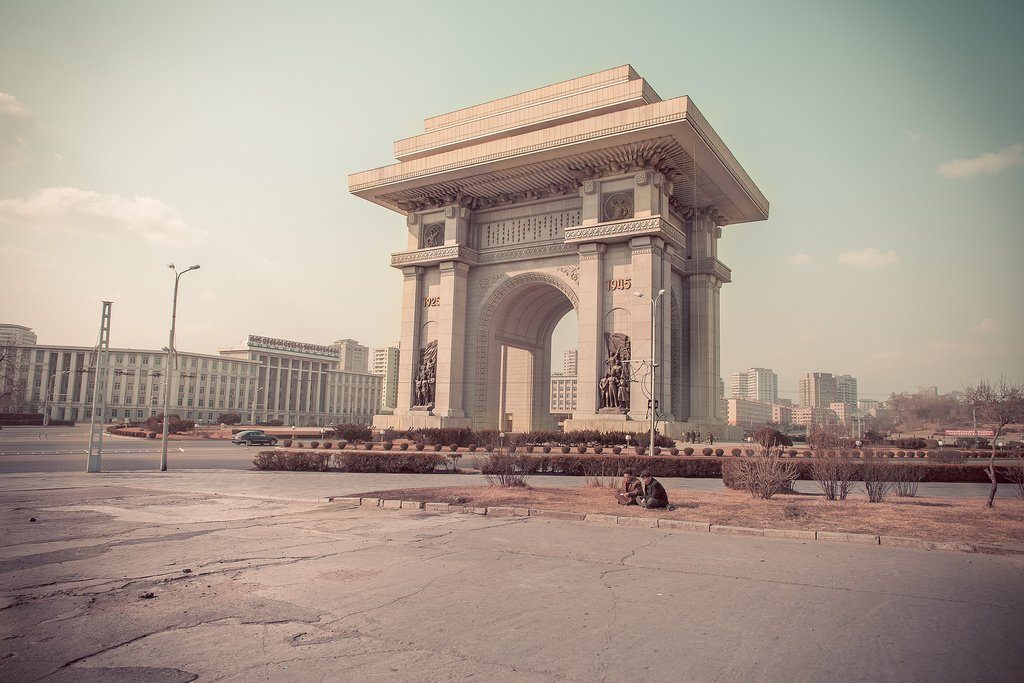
[[878, 226]]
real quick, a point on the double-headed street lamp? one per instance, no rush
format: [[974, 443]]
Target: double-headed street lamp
[[654, 358], [170, 359]]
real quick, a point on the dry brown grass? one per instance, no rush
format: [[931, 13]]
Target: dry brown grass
[[933, 519]]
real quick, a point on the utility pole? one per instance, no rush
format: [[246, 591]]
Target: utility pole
[[99, 392]]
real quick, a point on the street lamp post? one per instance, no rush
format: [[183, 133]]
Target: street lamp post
[[46, 398], [654, 358], [171, 353], [252, 414]]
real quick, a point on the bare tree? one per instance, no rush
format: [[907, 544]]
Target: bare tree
[[997, 404]]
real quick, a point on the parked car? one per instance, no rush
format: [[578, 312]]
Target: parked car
[[253, 437]]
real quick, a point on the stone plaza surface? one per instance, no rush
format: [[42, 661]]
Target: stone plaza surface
[[575, 196], [116, 583]]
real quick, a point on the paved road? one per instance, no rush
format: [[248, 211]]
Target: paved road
[[290, 591], [23, 449]]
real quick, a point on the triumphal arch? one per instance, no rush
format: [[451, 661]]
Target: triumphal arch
[[574, 196]]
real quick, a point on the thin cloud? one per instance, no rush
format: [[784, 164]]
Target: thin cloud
[[107, 216], [986, 326], [985, 164], [800, 259], [16, 123], [913, 136], [869, 258]]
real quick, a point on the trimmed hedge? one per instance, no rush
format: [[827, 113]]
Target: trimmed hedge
[[582, 465], [933, 472], [390, 463]]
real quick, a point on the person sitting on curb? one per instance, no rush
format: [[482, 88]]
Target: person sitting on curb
[[629, 489], [654, 495]]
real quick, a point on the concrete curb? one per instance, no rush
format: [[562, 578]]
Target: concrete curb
[[688, 525]]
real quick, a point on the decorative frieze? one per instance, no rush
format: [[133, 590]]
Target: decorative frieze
[[433, 255], [539, 228], [623, 230]]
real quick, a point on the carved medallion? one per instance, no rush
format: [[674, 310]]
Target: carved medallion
[[617, 206], [433, 236]]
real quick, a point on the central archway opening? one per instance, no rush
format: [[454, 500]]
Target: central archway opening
[[520, 388]]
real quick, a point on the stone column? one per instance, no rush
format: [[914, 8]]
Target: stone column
[[650, 273], [451, 340], [591, 329], [704, 285], [409, 342]]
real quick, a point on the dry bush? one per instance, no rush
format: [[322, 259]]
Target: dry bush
[[878, 478], [906, 478], [1015, 473], [598, 472], [834, 476], [505, 468], [765, 474]]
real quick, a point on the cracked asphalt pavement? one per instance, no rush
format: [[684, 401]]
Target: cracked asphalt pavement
[[131, 584]]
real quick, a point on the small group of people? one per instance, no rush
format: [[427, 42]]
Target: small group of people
[[645, 491], [693, 436]]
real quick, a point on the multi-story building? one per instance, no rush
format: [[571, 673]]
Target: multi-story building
[[385, 364], [844, 415], [818, 390], [269, 379], [846, 392], [756, 384], [16, 335], [305, 384], [352, 355], [867, 405], [782, 414], [563, 393], [570, 363], [748, 414], [811, 416]]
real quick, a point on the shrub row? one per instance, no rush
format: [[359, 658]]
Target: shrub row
[[489, 437], [318, 461], [932, 471]]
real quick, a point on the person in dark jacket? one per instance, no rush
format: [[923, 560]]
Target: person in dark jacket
[[629, 489], [654, 495]]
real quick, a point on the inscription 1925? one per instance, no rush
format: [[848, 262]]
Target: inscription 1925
[[429, 301]]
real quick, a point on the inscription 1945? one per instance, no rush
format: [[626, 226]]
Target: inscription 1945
[[620, 283]]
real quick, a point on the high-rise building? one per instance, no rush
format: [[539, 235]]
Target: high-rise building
[[756, 384], [385, 364], [16, 335], [563, 394], [352, 355], [846, 392], [570, 362], [818, 390]]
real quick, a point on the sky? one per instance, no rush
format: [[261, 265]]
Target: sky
[[888, 138]]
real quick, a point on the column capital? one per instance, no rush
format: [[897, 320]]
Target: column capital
[[454, 268], [591, 250], [412, 271]]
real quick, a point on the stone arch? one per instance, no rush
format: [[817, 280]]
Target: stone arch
[[520, 309]]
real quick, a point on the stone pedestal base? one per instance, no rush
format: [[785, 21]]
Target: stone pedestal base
[[418, 419]]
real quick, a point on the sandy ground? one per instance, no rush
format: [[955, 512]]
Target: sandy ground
[[934, 519]]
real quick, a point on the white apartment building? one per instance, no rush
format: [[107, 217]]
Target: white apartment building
[[272, 379], [352, 355], [818, 390], [755, 384], [385, 364], [570, 362]]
